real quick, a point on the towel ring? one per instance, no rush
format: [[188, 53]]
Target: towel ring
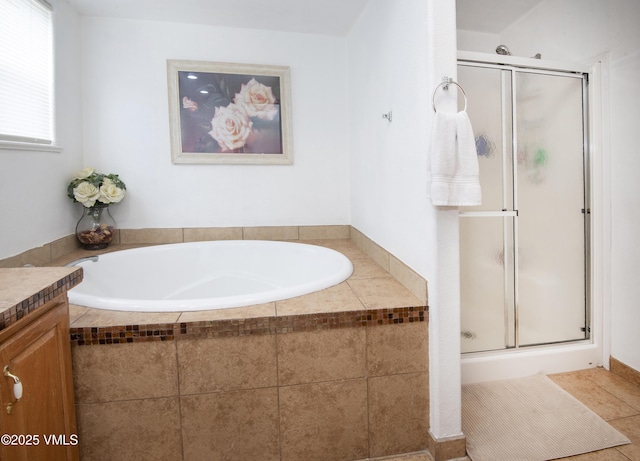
[[446, 81]]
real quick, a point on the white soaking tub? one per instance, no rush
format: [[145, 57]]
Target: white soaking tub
[[207, 275]]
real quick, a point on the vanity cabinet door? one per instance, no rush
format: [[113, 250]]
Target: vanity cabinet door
[[42, 424]]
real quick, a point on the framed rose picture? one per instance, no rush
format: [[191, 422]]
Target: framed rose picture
[[229, 113]]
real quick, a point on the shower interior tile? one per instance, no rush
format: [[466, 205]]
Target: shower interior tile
[[393, 349], [325, 355], [124, 371], [398, 413], [134, 429], [249, 431], [322, 421], [226, 363]]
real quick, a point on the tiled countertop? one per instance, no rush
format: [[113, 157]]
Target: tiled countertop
[[23, 290]]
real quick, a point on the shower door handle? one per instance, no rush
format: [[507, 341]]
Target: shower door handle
[[489, 214]]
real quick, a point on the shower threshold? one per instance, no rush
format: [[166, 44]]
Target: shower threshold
[[527, 361]]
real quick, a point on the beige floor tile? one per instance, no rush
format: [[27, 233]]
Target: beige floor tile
[[230, 363], [610, 454], [231, 426], [398, 413], [383, 293], [630, 427], [597, 388], [393, 349], [324, 421], [408, 457], [338, 298], [326, 355], [600, 401], [124, 371], [146, 429], [615, 385]]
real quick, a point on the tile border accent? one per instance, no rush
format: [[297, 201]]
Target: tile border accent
[[622, 369], [87, 336], [39, 299]]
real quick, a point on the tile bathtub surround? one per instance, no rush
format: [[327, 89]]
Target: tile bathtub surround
[[349, 393], [289, 379]]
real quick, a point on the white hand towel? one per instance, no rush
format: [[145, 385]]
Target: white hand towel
[[455, 179]]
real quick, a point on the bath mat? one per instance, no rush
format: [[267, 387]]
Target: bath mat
[[530, 419]]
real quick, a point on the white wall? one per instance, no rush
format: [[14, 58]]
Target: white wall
[[578, 31], [33, 185], [126, 127], [397, 53], [388, 71]]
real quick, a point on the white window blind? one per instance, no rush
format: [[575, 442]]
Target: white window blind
[[26, 71]]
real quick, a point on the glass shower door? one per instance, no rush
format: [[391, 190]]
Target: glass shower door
[[487, 268], [551, 207], [530, 141]]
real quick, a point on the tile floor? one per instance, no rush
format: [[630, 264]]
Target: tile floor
[[613, 398]]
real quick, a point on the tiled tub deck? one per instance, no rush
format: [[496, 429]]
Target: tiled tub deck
[[341, 374]]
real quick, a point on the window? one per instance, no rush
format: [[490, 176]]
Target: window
[[26, 71]]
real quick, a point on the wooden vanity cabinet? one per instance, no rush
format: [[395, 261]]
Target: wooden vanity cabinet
[[37, 350]]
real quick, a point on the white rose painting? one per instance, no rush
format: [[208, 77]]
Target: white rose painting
[[229, 113]]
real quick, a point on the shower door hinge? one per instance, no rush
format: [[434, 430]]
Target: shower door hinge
[[586, 329], [587, 211]]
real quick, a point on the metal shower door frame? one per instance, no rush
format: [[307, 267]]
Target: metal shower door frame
[[510, 208]]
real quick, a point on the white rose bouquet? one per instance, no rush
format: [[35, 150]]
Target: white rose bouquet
[[88, 187]]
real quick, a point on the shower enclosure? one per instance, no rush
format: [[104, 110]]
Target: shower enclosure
[[525, 251]]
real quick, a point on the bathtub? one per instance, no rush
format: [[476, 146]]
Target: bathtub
[[207, 275]]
